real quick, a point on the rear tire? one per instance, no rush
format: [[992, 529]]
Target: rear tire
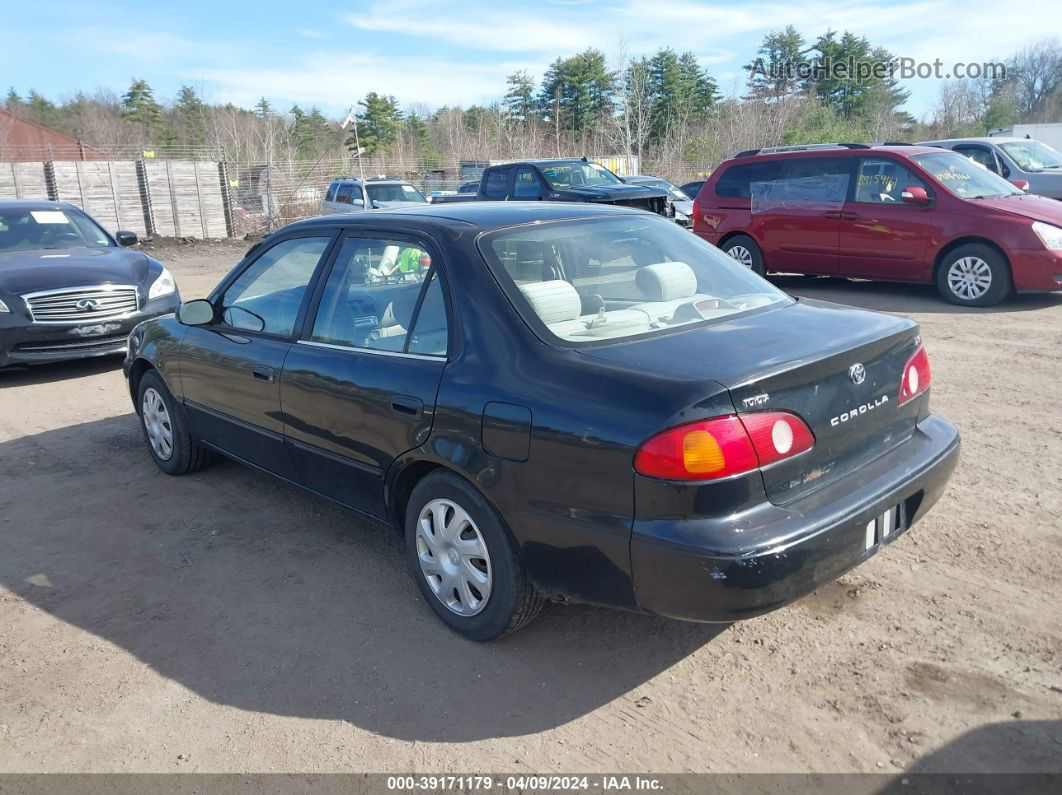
[[743, 249], [465, 561], [165, 429], [974, 274]]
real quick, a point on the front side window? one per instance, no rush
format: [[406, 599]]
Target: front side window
[[370, 298], [981, 155], [563, 176], [343, 195], [586, 280], [965, 179], [526, 186], [1032, 155], [266, 297], [49, 229], [883, 180]]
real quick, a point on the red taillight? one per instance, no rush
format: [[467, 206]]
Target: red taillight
[[723, 446], [916, 376], [696, 212], [425, 261]]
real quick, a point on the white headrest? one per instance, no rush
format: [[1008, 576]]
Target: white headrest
[[666, 281], [553, 301]]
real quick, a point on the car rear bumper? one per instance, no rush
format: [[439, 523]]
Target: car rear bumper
[[1036, 270], [24, 342], [699, 570]]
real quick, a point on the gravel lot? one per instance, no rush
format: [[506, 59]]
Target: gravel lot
[[227, 622]]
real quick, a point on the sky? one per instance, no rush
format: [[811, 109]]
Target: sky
[[429, 53]]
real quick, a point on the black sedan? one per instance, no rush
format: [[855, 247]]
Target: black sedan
[[68, 289], [555, 401]]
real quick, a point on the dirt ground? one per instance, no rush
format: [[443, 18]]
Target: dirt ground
[[227, 622]]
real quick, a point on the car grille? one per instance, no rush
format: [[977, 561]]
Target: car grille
[[78, 346], [82, 304], [653, 205]]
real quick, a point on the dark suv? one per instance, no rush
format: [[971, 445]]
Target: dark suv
[[892, 212]]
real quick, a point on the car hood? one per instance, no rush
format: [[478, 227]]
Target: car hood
[[1039, 208], [53, 269], [384, 205], [616, 192]]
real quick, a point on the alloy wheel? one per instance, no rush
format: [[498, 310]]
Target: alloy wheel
[[453, 557], [742, 255], [156, 418], [969, 278]]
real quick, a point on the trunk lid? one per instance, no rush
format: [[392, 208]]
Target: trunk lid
[[800, 358]]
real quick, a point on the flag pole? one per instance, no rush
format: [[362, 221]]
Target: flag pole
[[353, 117]]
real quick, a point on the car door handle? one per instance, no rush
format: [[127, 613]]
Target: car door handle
[[406, 406], [840, 215], [263, 373]]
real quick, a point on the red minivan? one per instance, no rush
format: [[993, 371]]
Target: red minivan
[[892, 212]]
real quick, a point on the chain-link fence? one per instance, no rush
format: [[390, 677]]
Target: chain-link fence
[[209, 193]]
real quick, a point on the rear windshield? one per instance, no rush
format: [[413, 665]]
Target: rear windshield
[[586, 280], [394, 193]]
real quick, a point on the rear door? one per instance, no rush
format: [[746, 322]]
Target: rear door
[[230, 369], [359, 387], [797, 216], [881, 237]]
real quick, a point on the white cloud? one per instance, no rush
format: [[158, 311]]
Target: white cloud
[[313, 34]]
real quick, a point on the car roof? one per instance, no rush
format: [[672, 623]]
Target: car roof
[[372, 181], [35, 204], [644, 178], [484, 215], [825, 150], [983, 139]]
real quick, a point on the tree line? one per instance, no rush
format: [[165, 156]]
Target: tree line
[[665, 108]]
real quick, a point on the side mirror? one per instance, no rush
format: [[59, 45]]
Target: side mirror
[[125, 238], [1005, 170], [196, 313], [374, 204], [358, 202], [913, 194], [1020, 184]]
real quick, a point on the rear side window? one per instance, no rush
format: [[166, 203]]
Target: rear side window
[[496, 185], [735, 181], [331, 197], [881, 181], [371, 296], [804, 182]]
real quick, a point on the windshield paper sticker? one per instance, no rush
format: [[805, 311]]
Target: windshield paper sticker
[[49, 216]]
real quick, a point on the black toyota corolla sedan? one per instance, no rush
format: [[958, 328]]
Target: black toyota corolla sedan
[[68, 289], [555, 401]]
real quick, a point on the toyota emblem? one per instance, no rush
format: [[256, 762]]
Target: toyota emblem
[[858, 373], [87, 305]]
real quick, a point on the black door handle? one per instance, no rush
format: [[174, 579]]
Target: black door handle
[[263, 373], [406, 406]]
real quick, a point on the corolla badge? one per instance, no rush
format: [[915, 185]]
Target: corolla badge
[[858, 373], [87, 305]]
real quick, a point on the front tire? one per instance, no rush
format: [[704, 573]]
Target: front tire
[[165, 430], [465, 561], [743, 249], [974, 275]]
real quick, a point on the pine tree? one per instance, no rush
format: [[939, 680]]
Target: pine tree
[[520, 98], [263, 109], [773, 75], [13, 102], [192, 113], [139, 107], [378, 124], [578, 91], [42, 110]]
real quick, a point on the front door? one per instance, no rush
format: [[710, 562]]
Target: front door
[[230, 369], [358, 388], [881, 236]]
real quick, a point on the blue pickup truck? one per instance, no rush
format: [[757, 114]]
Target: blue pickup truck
[[561, 180]]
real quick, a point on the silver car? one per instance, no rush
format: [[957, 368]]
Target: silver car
[[1014, 159], [679, 204], [347, 195]]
